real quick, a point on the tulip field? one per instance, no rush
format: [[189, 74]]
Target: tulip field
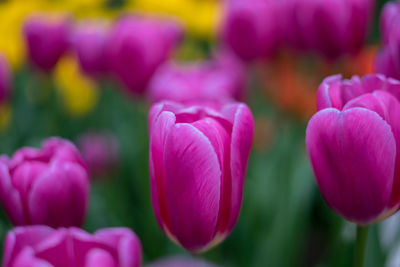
[[199, 133]]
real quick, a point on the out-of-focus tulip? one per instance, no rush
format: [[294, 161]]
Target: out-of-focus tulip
[[100, 151], [218, 80], [332, 27], [180, 262], [250, 28], [198, 160], [47, 39], [138, 45], [90, 40], [388, 59], [45, 186], [43, 246], [352, 142], [5, 79]]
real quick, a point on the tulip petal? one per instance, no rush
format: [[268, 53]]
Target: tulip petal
[[21, 237], [65, 203], [125, 242], [352, 154], [193, 178], [10, 198], [27, 259], [159, 133], [99, 257], [387, 106], [242, 138]]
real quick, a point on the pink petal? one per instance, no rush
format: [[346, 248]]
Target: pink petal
[[10, 198], [27, 259], [59, 197], [21, 237], [352, 154], [388, 108], [99, 258], [125, 242], [193, 183]]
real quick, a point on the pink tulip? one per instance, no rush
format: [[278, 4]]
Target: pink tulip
[[90, 40], [180, 262], [138, 45], [39, 245], [47, 39], [352, 142], [5, 79], [251, 29], [45, 186], [100, 151], [198, 160], [218, 80]]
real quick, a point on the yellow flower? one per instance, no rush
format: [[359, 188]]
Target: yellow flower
[[80, 93]]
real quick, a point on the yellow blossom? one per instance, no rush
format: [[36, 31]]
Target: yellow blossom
[[80, 93]]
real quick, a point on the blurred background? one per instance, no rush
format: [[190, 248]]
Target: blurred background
[[284, 220]]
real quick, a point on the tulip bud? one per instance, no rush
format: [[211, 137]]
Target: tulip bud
[[100, 151], [138, 46], [5, 80], [198, 160], [352, 142], [47, 39], [218, 80], [250, 28], [90, 40], [180, 262], [43, 246], [45, 186]]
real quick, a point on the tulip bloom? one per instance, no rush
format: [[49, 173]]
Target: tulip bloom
[[5, 80], [219, 80], [90, 40], [43, 246], [180, 262], [353, 142], [138, 46], [387, 60], [198, 160], [250, 28], [330, 27], [45, 186], [100, 151], [47, 39]]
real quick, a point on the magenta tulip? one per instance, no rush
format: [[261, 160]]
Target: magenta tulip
[[47, 39], [251, 29], [198, 160], [218, 80], [138, 45], [180, 262], [39, 245], [90, 40], [388, 59], [100, 151], [5, 79], [352, 142], [45, 186]]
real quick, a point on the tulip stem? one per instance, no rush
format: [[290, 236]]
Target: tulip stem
[[361, 245]]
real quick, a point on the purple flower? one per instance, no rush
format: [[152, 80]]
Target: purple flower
[[47, 247], [90, 41], [250, 28], [47, 39], [138, 45], [5, 79], [352, 142], [45, 186], [180, 262], [198, 160], [100, 151], [219, 80]]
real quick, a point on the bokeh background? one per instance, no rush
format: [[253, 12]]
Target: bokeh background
[[284, 220]]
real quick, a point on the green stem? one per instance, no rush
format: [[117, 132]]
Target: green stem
[[361, 245]]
